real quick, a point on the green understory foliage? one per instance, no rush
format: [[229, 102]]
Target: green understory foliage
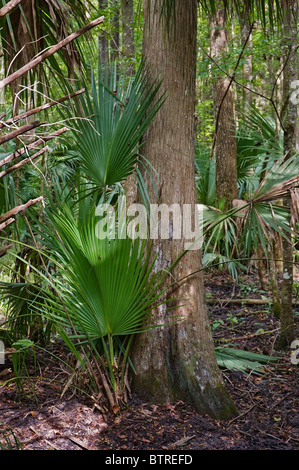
[[231, 236], [95, 291], [8, 439]]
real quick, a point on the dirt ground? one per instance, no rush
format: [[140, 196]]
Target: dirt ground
[[268, 416]]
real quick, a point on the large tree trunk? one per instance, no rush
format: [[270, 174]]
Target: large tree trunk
[[225, 133], [177, 361], [287, 333]]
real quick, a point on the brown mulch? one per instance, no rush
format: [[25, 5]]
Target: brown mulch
[[267, 404]]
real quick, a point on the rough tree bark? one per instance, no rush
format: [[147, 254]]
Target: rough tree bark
[[177, 361]]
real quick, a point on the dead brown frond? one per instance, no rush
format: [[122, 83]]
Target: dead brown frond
[[294, 193], [279, 191]]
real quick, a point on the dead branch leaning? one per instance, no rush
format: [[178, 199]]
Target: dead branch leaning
[[33, 63]]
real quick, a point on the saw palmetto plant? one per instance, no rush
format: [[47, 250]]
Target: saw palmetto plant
[[264, 177], [102, 293], [104, 288], [111, 121], [258, 218]]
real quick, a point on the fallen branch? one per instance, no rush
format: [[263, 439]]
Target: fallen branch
[[241, 415], [258, 333], [244, 301], [6, 223], [23, 162], [9, 7], [78, 443], [18, 118], [20, 130], [33, 63], [38, 142], [18, 209]]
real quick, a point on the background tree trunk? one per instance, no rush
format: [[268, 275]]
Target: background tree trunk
[[128, 50], [103, 38], [115, 40], [225, 145], [290, 33], [128, 46], [177, 361], [247, 67]]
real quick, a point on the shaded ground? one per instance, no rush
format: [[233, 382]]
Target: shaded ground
[[268, 404]]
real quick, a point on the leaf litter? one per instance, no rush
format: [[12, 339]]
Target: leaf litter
[[267, 403]]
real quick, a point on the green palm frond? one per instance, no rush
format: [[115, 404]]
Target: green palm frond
[[104, 289], [261, 222], [258, 132], [259, 146], [268, 12], [221, 261], [112, 121], [238, 231], [107, 285], [205, 177], [22, 318], [243, 361], [263, 215]]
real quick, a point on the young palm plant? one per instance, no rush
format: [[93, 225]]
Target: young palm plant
[[111, 121], [103, 295], [263, 177], [104, 288]]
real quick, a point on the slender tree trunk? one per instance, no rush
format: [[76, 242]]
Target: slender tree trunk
[[226, 146], [115, 36], [2, 75], [128, 50], [290, 33], [103, 39], [128, 46], [177, 361], [247, 67]]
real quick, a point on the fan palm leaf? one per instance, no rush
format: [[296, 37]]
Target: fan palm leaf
[[260, 217], [112, 121], [104, 288], [243, 361], [106, 284]]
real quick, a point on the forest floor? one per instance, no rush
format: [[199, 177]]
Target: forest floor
[[267, 404]]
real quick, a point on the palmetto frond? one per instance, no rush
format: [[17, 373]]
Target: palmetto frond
[[279, 180], [260, 217], [106, 283], [111, 124], [243, 361], [267, 11]]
